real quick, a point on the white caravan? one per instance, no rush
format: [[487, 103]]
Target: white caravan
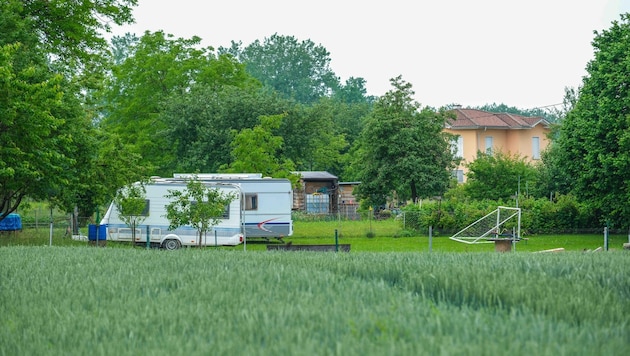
[[262, 209]]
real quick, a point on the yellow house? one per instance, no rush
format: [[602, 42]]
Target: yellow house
[[489, 132]]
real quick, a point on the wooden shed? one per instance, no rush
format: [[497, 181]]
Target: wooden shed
[[348, 203], [317, 193]]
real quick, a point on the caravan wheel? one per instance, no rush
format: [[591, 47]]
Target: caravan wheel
[[171, 244]]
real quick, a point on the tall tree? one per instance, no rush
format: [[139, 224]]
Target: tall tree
[[353, 92], [158, 68], [498, 176], [72, 30], [256, 151], [32, 158], [201, 121], [48, 52], [594, 141], [298, 69], [314, 138], [403, 149]]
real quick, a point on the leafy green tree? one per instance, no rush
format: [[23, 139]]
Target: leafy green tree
[[256, 151], [111, 167], [122, 47], [594, 141], [298, 69], [198, 205], [553, 179], [131, 204], [353, 92], [312, 139], [30, 153], [156, 69], [499, 176], [558, 113], [72, 31], [49, 50], [201, 122], [350, 106], [403, 149], [158, 66]]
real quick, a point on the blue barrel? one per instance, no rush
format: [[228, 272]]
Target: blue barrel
[[102, 232], [11, 222]]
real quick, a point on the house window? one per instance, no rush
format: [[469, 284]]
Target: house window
[[251, 201], [535, 147], [458, 147], [459, 175], [489, 145]]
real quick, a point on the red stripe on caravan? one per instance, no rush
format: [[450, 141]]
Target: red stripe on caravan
[[261, 225]]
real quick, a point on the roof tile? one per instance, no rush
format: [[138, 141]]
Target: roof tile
[[473, 119]]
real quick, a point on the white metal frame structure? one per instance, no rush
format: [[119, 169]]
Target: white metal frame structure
[[489, 227]]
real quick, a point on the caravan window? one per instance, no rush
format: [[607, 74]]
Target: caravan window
[[251, 201], [145, 211], [226, 210]]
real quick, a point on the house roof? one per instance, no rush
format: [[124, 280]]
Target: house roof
[[316, 175], [475, 119]]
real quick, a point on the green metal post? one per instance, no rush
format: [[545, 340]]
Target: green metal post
[[336, 241], [148, 238]]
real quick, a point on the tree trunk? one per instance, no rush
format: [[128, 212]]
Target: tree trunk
[[133, 232], [414, 191]]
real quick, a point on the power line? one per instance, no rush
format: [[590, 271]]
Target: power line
[[546, 106]]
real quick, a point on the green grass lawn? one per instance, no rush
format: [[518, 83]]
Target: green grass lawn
[[387, 236], [384, 238]]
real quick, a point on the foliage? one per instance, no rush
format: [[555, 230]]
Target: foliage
[[563, 214], [594, 142], [198, 205], [353, 92], [201, 122], [298, 70], [445, 215], [552, 177], [498, 176], [198, 120], [256, 151], [312, 138], [158, 65], [50, 56], [131, 204], [30, 150], [72, 32], [403, 149], [151, 70]]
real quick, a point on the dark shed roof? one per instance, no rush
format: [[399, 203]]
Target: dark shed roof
[[316, 175]]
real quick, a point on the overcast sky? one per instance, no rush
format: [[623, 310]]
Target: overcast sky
[[469, 52]]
